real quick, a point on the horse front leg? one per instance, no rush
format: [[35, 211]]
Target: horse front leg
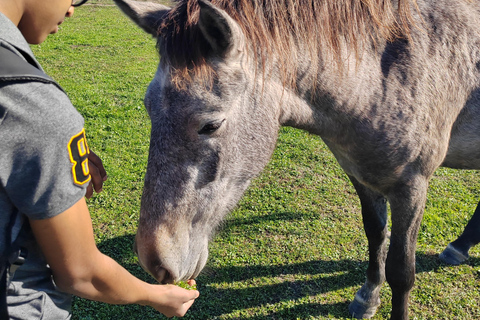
[[374, 213], [457, 251], [407, 203]]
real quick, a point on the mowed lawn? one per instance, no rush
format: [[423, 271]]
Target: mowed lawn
[[294, 248]]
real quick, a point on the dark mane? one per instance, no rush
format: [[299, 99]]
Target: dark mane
[[278, 26]]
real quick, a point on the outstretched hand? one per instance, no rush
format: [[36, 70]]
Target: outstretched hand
[[98, 174], [172, 300]]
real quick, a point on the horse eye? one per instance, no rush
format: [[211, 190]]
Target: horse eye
[[211, 127]]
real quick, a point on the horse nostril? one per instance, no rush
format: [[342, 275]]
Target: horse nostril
[[164, 277]]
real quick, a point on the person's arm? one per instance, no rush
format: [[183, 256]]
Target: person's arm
[[78, 267]]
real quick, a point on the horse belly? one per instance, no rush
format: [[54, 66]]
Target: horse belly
[[464, 146], [463, 152]]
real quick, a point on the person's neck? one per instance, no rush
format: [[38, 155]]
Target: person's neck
[[12, 9]]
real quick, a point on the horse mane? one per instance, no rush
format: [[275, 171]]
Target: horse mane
[[279, 26]]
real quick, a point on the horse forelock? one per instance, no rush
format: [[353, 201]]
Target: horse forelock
[[276, 28]]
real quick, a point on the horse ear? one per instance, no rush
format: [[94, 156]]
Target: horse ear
[[222, 32], [146, 15]]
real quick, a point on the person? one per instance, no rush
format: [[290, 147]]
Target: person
[[46, 170]]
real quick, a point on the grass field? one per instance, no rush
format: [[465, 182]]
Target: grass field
[[294, 248]]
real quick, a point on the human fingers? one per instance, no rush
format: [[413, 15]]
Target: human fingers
[[89, 192], [97, 173], [184, 308], [94, 159], [182, 295], [194, 294], [174, 301], [96, 177], [189, 300]]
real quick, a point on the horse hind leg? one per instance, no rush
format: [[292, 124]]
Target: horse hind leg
[[374, 213], [457, 251]]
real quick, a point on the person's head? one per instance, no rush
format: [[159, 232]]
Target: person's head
[[36, 19]]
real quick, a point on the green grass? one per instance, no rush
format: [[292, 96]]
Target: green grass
[[294, 248]]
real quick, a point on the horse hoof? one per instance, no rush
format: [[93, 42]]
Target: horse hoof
[[452, 256], [360, 309]]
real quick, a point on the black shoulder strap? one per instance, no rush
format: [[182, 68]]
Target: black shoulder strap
[[14, 68], [3, 291], [4, 269]]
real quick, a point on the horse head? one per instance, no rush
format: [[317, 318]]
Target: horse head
[[206, 145]]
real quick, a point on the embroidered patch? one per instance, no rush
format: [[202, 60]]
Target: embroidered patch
[[78, 151]]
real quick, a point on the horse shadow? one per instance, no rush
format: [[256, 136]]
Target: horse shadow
[[321, 277]]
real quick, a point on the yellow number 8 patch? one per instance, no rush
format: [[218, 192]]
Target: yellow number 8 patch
[[78, 151]]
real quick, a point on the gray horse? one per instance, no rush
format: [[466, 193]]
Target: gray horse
[[390, 86]]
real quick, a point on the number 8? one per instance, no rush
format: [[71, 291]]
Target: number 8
[[78, 151]]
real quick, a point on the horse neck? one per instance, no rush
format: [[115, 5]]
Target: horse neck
[[324, 88]]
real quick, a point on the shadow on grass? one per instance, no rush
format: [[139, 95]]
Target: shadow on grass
[[431, 262], [215, 301], [277, 299]]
